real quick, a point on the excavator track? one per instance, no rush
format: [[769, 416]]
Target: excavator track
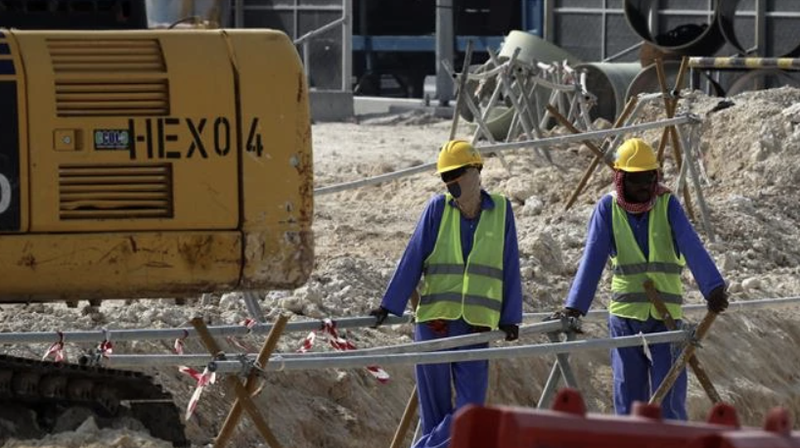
[[50, 388]]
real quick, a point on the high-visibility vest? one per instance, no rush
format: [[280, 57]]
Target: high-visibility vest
[[631, 269], [452, 289]]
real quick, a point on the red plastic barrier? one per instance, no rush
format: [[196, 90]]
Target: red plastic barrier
[[568, 425]]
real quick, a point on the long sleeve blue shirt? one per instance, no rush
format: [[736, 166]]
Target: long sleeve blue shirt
[[600, 245], [409, 270]]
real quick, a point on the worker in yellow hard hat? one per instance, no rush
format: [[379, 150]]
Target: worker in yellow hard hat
[[644, 230], [465, 244]]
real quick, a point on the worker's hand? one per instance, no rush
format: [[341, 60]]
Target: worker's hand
[[564, 312], [718, 300], [380, 314], [511, 331]]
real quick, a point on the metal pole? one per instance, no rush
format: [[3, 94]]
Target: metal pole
[[445, 41], [704, 213], [251, 302], [540, 143], [457, 356], [553, 379], [173, 333], [562, 359], [444, 66], [550, 387], [549, 29], [347, 45], [238, 14], [138, 334], [414, 347]]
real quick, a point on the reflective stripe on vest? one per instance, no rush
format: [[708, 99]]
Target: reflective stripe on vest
[[473, 290], [631, 269]]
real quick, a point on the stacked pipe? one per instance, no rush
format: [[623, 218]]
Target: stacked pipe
[[703, 39]]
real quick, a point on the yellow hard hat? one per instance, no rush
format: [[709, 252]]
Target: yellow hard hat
[[456, 154], [635, 155]]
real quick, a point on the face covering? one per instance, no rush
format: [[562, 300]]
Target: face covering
[[645, 193], [467, 192]]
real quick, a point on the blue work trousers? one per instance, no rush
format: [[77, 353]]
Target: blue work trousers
[[435, 381], [636, 377]]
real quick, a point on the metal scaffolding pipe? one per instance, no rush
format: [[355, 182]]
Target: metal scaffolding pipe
[[457, 356], [539, 143], [414, 347], [116, 335], [280, 363]]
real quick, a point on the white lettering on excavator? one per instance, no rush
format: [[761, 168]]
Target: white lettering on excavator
[[5, 194]]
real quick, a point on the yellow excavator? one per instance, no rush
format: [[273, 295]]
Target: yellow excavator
[[146, 164], [152, 164]]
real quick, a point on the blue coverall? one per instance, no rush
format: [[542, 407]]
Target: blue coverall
[[635, 377], [470, 378]]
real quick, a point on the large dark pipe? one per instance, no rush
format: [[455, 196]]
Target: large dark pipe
[[727, 14], [692, 39], [759, 79]]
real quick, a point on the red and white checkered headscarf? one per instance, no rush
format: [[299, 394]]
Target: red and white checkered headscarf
[[656, 190]]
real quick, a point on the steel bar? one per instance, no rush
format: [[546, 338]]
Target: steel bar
[[680, 363], [313, 361], [476, 114], [532, 132], [462, 85], [551, 385], [599, 134], [457, 356], [701, 201], [540, 143], [241, 393], [669, 322], [562, 360], [320, 30], [549, 389], [485, 115], [46, 337], [596, 315], [235, 413], [414, 347], [251, 302]]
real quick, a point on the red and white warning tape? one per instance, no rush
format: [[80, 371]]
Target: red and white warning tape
[[203, 380], [249, 324], [106, 347], [179, 343], [56, 350], [339, 344]]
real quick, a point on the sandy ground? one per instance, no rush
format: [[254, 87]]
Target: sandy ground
[[750, 154]]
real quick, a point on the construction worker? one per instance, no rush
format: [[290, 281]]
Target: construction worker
[[466, 245], [645, 231]]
